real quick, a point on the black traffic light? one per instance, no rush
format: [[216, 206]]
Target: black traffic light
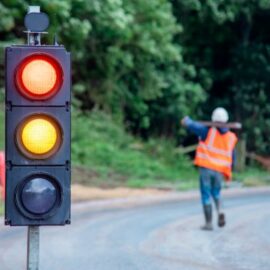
[[37, 135]]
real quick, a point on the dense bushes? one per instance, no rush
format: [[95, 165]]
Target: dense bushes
[[113, 155], [148, 63]]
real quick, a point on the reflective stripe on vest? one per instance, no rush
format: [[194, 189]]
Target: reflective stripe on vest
[[215, 160], [210, 144], [216, 151]]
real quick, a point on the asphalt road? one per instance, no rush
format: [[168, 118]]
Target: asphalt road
[[155, 236]]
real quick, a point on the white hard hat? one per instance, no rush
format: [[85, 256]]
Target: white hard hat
[[220, 115]]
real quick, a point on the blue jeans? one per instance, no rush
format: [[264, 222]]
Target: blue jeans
[[210, 185]]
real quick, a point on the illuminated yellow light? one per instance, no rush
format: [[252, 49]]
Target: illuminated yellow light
[[39, 136], [39, 77]]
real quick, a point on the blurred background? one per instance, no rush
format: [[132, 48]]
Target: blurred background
[[139, 67]]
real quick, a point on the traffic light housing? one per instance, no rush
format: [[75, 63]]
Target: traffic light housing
[[37, 135]]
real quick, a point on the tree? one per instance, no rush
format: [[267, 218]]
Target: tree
[[228, 43]]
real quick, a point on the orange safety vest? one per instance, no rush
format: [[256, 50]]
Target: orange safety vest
[[215, 152]]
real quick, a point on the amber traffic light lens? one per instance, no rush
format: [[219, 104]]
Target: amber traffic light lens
[[39, 77], [39, 136]]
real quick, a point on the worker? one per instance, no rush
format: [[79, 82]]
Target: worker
[[214, 157]]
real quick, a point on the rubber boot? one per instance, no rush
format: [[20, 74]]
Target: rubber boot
[[221, 216], [207, 209]]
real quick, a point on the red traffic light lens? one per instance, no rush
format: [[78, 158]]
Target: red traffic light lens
[[39, 77], [39, 136]]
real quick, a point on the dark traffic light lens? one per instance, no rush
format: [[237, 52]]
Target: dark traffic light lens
[[39, 195]]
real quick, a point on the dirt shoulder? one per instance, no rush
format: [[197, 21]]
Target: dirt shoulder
[[83, 193], [87, 199]]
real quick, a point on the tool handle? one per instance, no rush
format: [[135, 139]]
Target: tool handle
[[230, 125]]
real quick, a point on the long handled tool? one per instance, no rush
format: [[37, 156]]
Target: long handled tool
[[230, 125]]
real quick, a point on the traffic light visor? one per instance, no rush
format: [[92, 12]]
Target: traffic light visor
[[39, 77], [39, 136]]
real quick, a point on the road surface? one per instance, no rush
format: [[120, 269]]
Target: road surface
[[155, 236]]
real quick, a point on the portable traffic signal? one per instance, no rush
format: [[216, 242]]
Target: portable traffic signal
[[37, 135]]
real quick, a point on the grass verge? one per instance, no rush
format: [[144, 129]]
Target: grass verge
[[1, 207], [253, 177], [105, 155]]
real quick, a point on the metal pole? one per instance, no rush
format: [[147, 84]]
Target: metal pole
[[33, 231], [33, 38], [33, 248]]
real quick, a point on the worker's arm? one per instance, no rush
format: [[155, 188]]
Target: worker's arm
[[195, 127]]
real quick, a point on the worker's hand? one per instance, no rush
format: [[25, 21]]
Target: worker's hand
[[183, 121]]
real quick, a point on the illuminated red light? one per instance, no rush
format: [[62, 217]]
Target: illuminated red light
[[39, 77]]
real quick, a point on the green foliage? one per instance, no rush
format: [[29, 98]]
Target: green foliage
[[228, 43], [1, 207], [148, 63], [104, 154], [253, 177], [103, 147], [251, 94], [125, 60]]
